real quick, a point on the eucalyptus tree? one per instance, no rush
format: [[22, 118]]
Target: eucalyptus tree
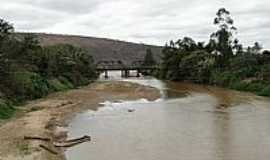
[[224, 36]]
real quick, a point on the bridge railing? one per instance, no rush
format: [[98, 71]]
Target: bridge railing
[[118, 65]]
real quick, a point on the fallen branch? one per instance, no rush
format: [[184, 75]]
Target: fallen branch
[[88, 138], [72, 142], [37, 138], [65, 144], [48, 149]]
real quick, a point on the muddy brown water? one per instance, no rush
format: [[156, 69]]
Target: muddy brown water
[[189, 122]]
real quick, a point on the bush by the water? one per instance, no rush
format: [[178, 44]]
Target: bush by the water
[[57, 85], [222, 61], [29, 70], [6, 110], [265, 91], [26, 85]]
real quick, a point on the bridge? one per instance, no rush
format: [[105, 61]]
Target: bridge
[[139, 66]]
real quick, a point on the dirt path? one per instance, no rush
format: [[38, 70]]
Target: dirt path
[[48, 117]]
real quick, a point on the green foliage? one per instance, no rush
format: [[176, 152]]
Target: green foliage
[[5, 29], [65, 82], [149, 59], [6, 110], [27, 85], [57, 85], [222, 61], [69, 62], [241, 86], [264, 72], [265, 91], [255, 87], [29, 70], [224, 35], [223, 78]]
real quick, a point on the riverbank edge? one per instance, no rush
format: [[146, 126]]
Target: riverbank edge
[[258, 88], [49, 117]]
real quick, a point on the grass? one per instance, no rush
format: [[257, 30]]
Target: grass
[[57, 85], [260, 88], [265, 91], [6, 110], [23, 148]]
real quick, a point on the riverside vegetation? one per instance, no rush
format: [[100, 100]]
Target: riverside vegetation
[[223, 61], [29, 71]]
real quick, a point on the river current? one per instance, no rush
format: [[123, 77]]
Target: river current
[[189, 122]]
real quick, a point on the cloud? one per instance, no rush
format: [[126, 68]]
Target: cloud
[[68, 6], [151, 21]]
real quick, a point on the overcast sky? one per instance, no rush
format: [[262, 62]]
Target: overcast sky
[[147, 21]]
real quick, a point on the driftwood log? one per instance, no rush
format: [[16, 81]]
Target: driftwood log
[[72, 142], [86, 138], [48, 149], [65, 144], [37, 138]]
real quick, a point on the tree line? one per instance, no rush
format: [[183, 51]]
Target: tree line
[[29, 70], [222, 61]]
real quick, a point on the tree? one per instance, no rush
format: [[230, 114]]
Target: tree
[[5, 29], [149, 59], [223, 37], [266, 52], [196, 66], [238, 48], [256, 48], [187, 44]]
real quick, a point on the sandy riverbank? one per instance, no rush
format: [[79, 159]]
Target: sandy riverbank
[[48, 117]]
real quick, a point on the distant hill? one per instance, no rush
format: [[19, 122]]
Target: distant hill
[[101, 48]]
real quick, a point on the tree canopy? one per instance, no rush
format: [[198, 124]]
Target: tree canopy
[[29, 70], [222, 61]]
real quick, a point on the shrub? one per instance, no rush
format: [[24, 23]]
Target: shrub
[[27, 85], [255, 87], [248, 86], [6, 110], [241, 86], [223, 78], [57, 85], [66, 82], [265, 91]]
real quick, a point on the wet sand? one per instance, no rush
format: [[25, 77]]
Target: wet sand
[[49, 117]]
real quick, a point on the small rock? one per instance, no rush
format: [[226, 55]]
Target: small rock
[[222, 106], [131, 110]]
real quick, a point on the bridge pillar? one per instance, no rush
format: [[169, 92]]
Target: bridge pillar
[[106, 74], [126, 73], [138, 73], [122, 73]]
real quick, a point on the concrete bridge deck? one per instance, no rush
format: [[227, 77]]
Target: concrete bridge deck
[[139, 66]]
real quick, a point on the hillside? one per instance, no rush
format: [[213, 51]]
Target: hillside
[[101, 48]]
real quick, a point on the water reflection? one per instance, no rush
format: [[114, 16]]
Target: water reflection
[[192, 122]]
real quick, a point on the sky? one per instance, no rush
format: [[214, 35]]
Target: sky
[[142, 21]]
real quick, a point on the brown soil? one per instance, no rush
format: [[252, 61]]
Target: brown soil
[[48, 117]]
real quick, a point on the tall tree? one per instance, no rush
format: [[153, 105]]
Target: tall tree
[[223, 37], [5, 30]]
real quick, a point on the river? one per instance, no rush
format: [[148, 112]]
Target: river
[[189, 122]]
